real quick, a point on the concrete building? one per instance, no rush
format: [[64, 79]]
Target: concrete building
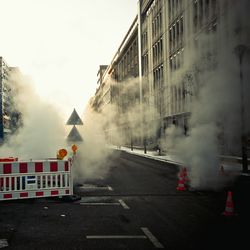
[[97, 101], [153, 49], [117, 90], [102, 101], [126, 86], [171, 47], [10, 117], [5, 100], [168, 27], [180, 41]]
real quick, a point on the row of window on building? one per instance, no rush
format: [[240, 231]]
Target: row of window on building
[[204, 12], [157, 25], [176, 34], [158, 52], [10, 117], [175, 7], [129, 62]]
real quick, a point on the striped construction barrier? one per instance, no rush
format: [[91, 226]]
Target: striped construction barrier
[[33, 179]]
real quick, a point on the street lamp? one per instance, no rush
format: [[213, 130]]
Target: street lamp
[[240, 51]]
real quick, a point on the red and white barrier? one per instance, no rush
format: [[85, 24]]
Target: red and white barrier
[[33, 179]]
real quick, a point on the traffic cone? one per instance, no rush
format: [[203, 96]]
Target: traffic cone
[[229, 210], [181, 184], [183, 174]]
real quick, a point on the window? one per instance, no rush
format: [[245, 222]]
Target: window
[[195, 18]]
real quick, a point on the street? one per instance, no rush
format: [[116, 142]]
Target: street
[[136, 206]]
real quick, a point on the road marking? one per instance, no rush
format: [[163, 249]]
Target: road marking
[[116, 237], [86, 186], [152, 238], [3, 243], [124, 205], [99, 203]]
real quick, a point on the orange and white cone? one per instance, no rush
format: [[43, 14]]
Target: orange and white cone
[[183, 174], [186, 179], [229, 210], [181, 184]]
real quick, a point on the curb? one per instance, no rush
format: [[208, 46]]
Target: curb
[[153, 158]]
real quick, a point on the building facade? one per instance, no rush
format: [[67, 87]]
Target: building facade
[[171, 47], [97, 101], [168, 29], [126, 93], [118, 90], [5, 101], [10, 117], [182, 40]]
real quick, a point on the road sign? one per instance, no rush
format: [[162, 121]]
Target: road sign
[[74, 135], [74, 119]]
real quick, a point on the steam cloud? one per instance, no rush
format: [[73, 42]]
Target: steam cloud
[[42, 132], [216, 109], [93, 153], [215, 113], [107, 127]]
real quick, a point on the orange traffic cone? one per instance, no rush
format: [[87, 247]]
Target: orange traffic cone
[[229, 210], [183, 174], [181, 183]]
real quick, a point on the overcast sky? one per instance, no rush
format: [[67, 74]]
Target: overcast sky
[[61, 43]]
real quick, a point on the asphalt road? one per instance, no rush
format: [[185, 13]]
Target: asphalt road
[[136, 206]]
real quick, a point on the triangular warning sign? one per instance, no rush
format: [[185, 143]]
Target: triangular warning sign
[[74, 135], [74, 119]]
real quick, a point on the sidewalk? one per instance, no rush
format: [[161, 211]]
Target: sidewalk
[[153, 154], [231, 164]]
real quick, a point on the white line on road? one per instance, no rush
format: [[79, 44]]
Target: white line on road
[[152, 238], [124, 205], [99, 203], [96, 187], [116, 237]]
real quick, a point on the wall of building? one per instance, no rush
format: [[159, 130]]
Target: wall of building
[[173, 46], [119, 88], [9, 115], [4, 100]]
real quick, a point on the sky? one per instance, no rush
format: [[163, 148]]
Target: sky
[[61, 43]]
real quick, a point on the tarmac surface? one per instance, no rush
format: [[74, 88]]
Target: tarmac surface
[[130, 210]]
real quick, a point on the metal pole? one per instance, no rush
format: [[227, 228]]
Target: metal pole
[[142, 135], [131, 139], [240, 50]]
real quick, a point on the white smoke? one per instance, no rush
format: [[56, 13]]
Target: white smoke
[[112, 125], [92, 156], [42, 132], [216, 107]]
